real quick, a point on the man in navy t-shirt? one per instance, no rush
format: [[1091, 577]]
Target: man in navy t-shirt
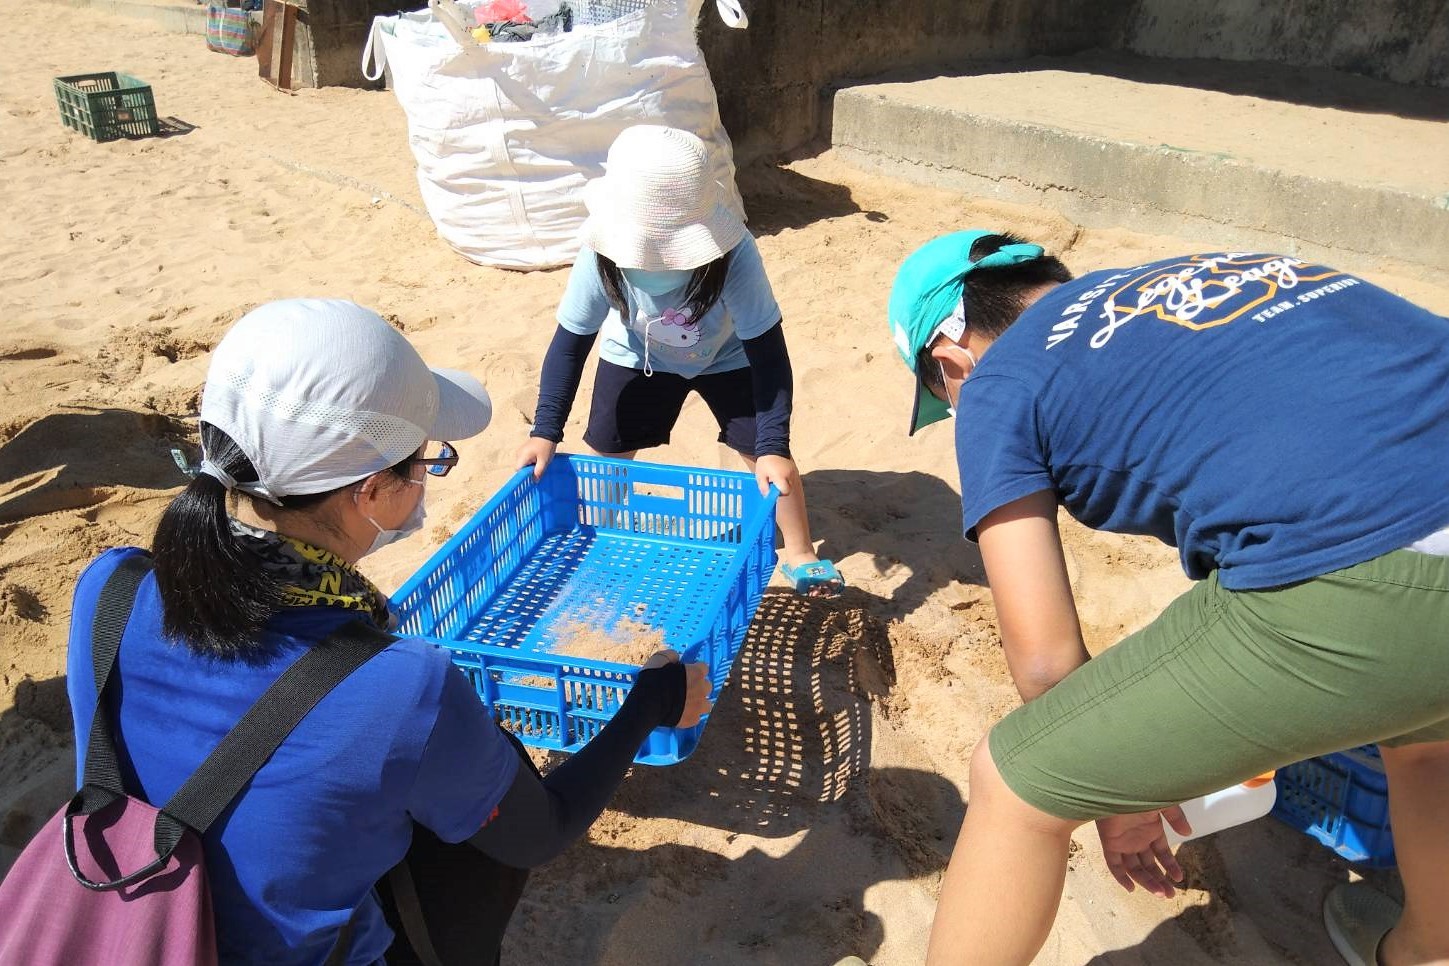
[[1282, 423]]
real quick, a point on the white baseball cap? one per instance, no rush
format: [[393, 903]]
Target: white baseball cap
[[656, 206], [319, 393]]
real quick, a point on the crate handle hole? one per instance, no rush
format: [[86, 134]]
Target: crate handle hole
[[661, 490]]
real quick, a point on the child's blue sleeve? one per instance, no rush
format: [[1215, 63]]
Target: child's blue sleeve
[[774, 390], [585, 306], [747, 293]]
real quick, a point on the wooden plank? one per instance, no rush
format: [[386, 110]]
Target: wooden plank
[[277, 45], [289, 46]]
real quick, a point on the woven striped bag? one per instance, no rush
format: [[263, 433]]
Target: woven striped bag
[[229, 31]]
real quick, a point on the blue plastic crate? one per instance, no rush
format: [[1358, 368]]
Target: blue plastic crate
[[1342, 800], [685, 550]]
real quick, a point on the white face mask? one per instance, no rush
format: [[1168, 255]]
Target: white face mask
[[410, 526], [657, 283]]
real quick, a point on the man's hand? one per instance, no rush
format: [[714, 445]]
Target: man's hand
[[1136, 850]]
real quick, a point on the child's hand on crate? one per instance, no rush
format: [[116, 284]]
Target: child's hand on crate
[[536, 452], [697, 687]]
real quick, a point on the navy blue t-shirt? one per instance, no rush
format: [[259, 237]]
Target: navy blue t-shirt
[[1273, 419], [403, 738]]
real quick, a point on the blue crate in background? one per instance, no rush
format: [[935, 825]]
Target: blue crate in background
[[685, 550], [1342, 800]]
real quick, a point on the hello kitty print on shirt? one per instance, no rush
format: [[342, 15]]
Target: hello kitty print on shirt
[[673, 332]]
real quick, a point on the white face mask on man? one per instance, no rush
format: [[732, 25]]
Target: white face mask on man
[[410, 526]]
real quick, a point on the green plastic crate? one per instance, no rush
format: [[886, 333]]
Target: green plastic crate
[[106, 106]]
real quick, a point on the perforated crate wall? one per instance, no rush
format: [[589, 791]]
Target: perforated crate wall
[[106, 106], [1342, 800], [682, 549]]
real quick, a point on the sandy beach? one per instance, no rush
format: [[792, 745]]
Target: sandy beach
[[816, 817]]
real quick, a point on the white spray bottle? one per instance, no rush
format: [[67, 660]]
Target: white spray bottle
[[1252, 799]]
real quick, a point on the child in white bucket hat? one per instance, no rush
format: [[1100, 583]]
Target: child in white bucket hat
[[672, 278]]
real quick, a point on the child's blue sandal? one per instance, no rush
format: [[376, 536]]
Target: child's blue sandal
[[816, 579]]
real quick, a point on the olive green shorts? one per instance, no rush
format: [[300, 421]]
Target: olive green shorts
[[1225, 685]]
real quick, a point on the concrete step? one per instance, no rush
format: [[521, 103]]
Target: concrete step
[[1299, 160]]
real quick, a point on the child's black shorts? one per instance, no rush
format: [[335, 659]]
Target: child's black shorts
[[632, 411]]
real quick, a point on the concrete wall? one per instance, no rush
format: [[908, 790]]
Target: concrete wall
[[1405, 41], [772, 78]]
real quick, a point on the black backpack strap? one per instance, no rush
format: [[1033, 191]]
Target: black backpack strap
[[343, 945], [264, 727], [113, 613]]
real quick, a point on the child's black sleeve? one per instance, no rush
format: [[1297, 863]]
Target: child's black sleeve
[[563, 367], [774, 391]]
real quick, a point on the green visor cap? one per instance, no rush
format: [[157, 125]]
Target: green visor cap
[[927, 289]]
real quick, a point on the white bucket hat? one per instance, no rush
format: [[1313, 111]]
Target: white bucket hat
[[656, 206], [319, 393]]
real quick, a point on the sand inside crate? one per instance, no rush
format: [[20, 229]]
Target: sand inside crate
[[626, 641]]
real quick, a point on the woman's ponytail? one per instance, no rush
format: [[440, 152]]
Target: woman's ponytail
[[215, 597]]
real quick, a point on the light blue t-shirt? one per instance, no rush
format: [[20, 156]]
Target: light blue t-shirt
[[1273, 419], [676, 343], [403, 738]]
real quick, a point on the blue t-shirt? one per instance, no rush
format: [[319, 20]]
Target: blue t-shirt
[[676, 343], [1273, 419], [403, 738]]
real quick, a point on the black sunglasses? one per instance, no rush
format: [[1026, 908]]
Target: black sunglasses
[[440, 465]]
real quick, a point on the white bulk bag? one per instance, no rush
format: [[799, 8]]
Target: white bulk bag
[[507, 134]]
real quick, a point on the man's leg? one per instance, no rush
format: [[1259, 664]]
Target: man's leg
[[979, 919], [1418, 806], [1249, 681]]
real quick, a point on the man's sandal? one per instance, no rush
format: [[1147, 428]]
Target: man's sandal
[[1357, 918]]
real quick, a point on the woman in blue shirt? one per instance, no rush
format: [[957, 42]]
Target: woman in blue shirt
[[320, 428]]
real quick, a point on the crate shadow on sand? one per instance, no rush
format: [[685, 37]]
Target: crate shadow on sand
[[791, 730], [784, 772]]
